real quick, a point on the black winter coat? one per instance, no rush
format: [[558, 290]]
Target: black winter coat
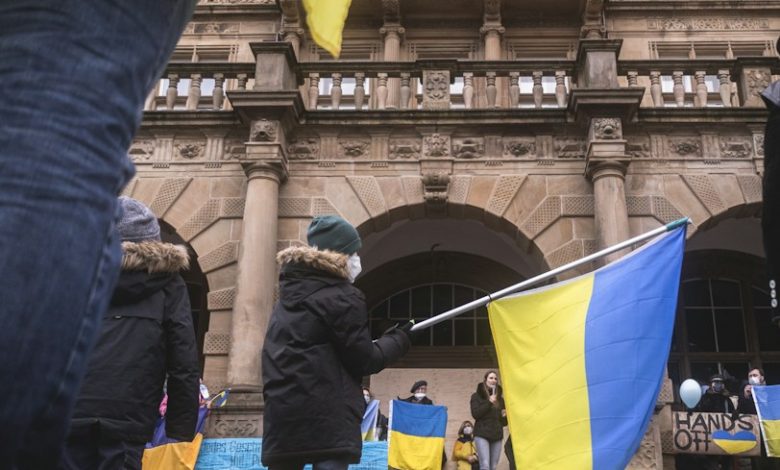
[[424, 401], [488, 422], [317, 349], [146, 333], [715, 403]]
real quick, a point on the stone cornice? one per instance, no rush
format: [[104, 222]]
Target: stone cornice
[[196, 119], [692, 5]]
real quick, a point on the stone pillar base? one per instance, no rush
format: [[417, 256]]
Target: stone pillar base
[[242, 416]]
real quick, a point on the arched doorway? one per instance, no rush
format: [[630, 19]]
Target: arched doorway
[[197, 286]]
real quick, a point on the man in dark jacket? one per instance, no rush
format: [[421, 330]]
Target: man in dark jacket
[[146, 334], [316, 351], [716, 398], [770, 218], [419, 393]]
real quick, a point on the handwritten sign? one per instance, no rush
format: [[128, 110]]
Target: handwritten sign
[[715, 434]]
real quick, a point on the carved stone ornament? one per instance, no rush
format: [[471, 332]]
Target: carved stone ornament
[[436, 145], [757, 81], [404, 148], [735, 149], [141, 150], [758, 144], [437, 86], [211, 28], [435, 188], [304, 148], [639, 149], [263, 131], [707, 24], [685, 148], [234, 150], [570, 148], [520, 148], [607, 128], [355, 148], [190, 151], [468, 148], [225, 427]]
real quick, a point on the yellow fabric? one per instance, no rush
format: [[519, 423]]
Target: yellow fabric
[[734, 447], [771, 430], [326, 20], [406, 452], [461, 451], [177, 456], [540, 344]]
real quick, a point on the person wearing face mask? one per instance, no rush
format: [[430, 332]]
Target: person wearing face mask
[[419, 394], [716, 399], [464, 453], [317, 349], [381, 420], [745, 405], [487, 408]]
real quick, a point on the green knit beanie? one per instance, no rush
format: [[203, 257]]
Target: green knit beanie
[[331, 232]]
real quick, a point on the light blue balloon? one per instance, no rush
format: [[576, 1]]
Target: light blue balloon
[[690, 393]]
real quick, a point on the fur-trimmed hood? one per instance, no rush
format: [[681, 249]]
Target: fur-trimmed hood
[[154, 257], [328, 261]]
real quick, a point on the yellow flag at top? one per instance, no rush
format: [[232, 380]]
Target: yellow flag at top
[[326, 20]]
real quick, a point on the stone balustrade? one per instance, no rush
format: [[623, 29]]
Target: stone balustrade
[[470, 85]]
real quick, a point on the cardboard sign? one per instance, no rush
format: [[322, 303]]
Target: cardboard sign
[[715, 434]]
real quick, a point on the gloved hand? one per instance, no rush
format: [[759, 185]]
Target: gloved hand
[[407, 329]]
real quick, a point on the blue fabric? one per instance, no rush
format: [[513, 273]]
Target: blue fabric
[[628, 333], [244, 454], [767, 399], [418, 420], [73, 78]]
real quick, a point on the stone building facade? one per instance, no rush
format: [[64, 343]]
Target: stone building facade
[[474, 143]]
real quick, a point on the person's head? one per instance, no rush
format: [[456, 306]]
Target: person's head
[[490, 379], [367, 395], [717, 384], [747, 391], [332, 233], [420, 389], [756, 377], [466, 429], [138, 223]]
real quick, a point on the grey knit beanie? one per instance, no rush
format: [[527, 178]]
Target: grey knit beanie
[[331, 232], [138, 223]]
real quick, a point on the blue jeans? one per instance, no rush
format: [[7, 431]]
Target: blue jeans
[[73, 78], [488, 453]]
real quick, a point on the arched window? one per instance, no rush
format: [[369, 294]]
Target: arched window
[[422, 302]]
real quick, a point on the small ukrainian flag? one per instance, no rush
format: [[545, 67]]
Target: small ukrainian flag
[[416, 438], [767, 399]]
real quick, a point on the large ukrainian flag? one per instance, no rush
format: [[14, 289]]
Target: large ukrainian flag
[[326, 20], [416, 437], [767, 399], [582, 361]]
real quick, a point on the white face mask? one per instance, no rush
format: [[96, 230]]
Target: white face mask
[[754, 380], [467, 430], [419, 396], [353, 267]]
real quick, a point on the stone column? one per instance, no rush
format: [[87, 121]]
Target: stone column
[[256, 273], [492, 33], [393, 35], [606, 167]]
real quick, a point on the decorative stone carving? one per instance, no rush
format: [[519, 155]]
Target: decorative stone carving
[[758, 144], [436, 89], [238, 427], [234, 150], [520, 148], [735, 149], [211, 28], [435, 188], [685, 147], [707, 24], [141, 150], [436, 145], [468, 148], [756, 80], [263, 130], [404, 148], [639, 147], [355, 148], [607, 128], [649, 454], [190, 150], [570, 148], [304, 148], [492, 10]]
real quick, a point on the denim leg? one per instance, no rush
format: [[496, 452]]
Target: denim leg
[[73, 78], [483, 452], [495, 453]]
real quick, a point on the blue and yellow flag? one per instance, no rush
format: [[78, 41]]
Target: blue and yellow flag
[[368, 426], [326, 20], [582, 361], [416, 438], [767, 399]]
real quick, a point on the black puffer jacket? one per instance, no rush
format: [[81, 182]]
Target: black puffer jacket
[[316, 351], [146, 332], [488, 422]]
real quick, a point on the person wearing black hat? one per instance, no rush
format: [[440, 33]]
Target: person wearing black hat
[[419, 391], [716, 399], [317, 349], [146, 336]]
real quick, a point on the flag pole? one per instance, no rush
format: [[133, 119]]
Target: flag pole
[[549, 274]]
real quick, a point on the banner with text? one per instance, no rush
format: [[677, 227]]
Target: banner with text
[[715, 434]]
